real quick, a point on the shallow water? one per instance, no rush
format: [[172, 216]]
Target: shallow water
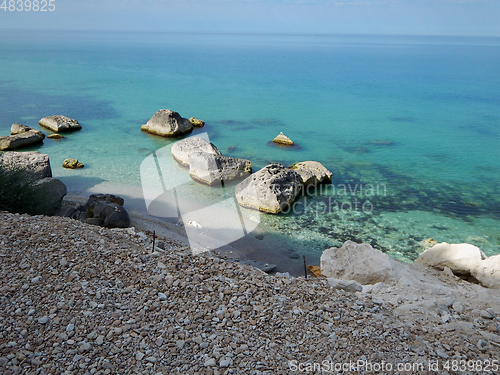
[[417, 116]]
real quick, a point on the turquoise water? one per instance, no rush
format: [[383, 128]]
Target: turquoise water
[[417, 116]]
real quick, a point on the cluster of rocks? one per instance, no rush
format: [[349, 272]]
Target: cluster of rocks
[[76, 298], [168, 123], [275, 187], [21, 136], [100, 209], [206, 163], [36, 165], [464, 260]]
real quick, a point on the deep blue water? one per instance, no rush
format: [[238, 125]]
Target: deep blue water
[[418, 115]]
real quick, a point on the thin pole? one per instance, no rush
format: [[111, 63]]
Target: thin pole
[[154, 238], [305, 267]]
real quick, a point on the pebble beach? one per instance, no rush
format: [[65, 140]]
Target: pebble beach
[[81, 299]]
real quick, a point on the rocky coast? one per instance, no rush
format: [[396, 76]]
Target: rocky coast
[[81, 299]]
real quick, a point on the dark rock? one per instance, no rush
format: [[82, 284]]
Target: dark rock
[[94, 221], [102, 197], [52, 191]]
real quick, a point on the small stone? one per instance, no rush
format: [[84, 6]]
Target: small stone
[[482, 345], [151, 359], [139, 356], [107, 365], [180, 344], [63, 262], [100, 340], [487, 314], [225, 362], [70, 327], [162, 296], [210, 362], [43, 320]]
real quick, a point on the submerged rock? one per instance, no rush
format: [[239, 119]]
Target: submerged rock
[[55, 136], [167, 123], [182, 149], [312, 172], [282, 139], [272, 189], [59, 123], [196, 122], [211, 169]]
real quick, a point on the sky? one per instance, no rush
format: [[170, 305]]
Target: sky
[[400, 17]]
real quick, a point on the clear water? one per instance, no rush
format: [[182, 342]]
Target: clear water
[[419, 117]]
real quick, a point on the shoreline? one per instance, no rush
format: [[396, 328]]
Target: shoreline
[[261, 245]]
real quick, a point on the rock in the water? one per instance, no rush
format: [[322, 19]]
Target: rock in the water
[[312, 172], [347, 285], [21, 136], [460, 258], [167, 123], [59, 123], [231, 148], [13, 142], [55, 136], [272, 189], [282, 139], [182, 149], [211, 169], [72, 164], [20, 128], [360, 262], [487, 272], [196, 122], [35, 164]]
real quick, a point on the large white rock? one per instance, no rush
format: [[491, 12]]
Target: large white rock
[[360, 262], [312, 172], [460, 258], [181, 150], [59, 123], [272, 189], [211, 169], [487, 272], [167, 123]]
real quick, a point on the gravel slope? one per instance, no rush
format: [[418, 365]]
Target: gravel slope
[[79, 299]]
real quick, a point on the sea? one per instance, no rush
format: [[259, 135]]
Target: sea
[[408, 125]]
